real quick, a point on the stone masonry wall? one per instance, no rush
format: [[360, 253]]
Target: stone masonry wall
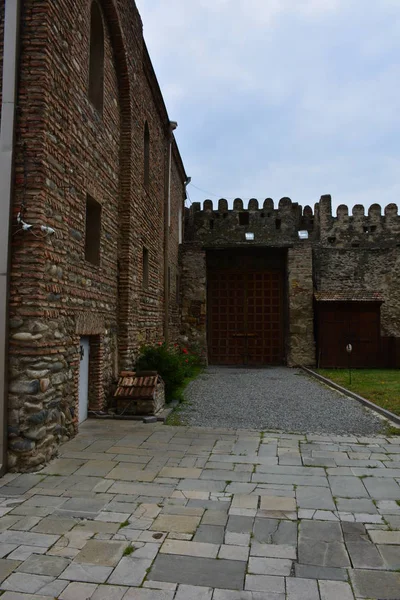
[[346, 252], [66, 150], [218, 226], [360, 252], [354, 269], [194, 298], [301, 346]]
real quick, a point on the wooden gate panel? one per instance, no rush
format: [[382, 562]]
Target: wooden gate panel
[[245, 317]]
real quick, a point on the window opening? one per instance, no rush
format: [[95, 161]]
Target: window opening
[[243, 218], [92, 231], [96, 58]]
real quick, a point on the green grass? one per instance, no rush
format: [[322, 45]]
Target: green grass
[[128, 551], [124, 524], [381, 386], [175, 418]]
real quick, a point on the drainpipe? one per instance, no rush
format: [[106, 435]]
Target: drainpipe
[[167, 222], [7, 136]]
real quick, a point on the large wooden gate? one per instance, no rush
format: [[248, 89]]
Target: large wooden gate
[[245, 317]]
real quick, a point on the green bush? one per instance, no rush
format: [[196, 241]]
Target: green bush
[[173, 363]]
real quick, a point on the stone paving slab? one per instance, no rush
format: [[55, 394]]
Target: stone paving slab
[[149, 512], [221, 573]]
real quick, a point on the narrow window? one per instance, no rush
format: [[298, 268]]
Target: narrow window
[[243, 218], [96, 60], [146, 155], [145, 282], [278, 223], [177, 291], [93, 231], [169, 281]]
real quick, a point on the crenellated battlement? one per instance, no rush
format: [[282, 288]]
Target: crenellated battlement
[[357, 227], [279, 225], [271, 225]]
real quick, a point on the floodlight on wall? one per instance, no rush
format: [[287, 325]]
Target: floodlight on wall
[[249, 237], [303, 235]]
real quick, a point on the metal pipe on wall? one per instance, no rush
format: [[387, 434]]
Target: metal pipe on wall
[[7, 149], [167, 222]]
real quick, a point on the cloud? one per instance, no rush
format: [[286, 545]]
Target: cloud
[[282, 97]]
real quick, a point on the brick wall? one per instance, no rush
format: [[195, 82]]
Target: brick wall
[[2, 7], [66, 150]]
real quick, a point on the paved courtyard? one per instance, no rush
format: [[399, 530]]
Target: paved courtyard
[[274, 398], [150, 512]]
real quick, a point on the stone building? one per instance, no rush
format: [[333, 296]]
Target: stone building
[[285, 285], [98, 190]]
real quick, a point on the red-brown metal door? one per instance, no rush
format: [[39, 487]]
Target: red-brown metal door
[[342, 323], [245, 317]]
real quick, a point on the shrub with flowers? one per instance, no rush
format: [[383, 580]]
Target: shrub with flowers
[[173, 363]]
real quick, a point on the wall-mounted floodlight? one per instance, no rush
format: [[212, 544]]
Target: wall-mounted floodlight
[[249, 237], [303, 235]]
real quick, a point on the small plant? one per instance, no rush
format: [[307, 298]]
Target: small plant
[[128, 550], [392, 430], [124, 524], [173, 363]]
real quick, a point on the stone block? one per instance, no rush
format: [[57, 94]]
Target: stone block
[[189, 548], [385, 537], [272, 531], [193, 592], [130, 571], [24, 582], [261, 583], [109, 592], [315, 572], [78, 591], [273, 550], [212, 534], [103, 553], [302, 589], [206, 572], [86, 573], [43, 565], [230, 552], [176, 523], [364, 556], [315, 497], [147, 594], [333, 590], [269, 566], [375, 584]]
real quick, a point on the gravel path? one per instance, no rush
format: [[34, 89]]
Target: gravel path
[[276, 398]]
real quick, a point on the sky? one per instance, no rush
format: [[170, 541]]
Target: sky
[[276, 98]]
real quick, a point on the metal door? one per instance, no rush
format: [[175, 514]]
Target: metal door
[[83, 379], [342, 323], [245, 317]]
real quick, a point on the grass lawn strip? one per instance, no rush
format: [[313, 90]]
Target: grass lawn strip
[[381, 386]]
